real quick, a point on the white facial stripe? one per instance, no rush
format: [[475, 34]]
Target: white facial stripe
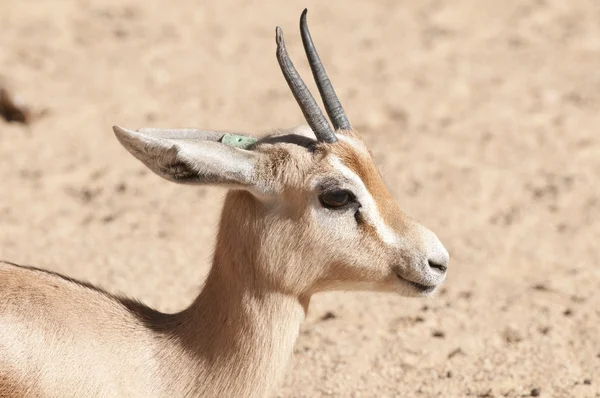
[[369, 208]]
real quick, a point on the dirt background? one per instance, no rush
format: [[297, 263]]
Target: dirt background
[[483, 115]]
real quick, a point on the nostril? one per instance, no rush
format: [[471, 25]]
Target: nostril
[[438, 266]]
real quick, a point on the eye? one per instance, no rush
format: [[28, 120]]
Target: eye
[[335, 199]]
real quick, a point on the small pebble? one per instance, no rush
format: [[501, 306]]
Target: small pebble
[[536, 392], [512, 335], [455, 352], [328, 315], [545, 329], [13, 108], [121, 187], [587, 382]]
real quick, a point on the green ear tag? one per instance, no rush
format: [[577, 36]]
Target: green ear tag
[[238, 141]]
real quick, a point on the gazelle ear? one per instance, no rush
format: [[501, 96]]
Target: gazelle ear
[[194, 156]]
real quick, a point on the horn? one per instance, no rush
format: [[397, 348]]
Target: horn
[[330, 99], [312, 113]]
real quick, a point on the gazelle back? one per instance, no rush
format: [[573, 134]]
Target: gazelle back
[[307, 211]]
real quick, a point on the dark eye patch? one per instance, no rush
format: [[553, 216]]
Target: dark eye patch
[[359, 217]]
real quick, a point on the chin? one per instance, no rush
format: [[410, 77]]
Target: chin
[[412, 289]]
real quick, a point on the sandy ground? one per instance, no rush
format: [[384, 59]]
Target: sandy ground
[[484, 116]]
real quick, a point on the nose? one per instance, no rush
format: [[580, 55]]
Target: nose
[[434, 264], [437, 255]]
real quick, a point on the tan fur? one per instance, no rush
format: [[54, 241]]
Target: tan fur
[[9, 387], [362, 164], [60, 337]]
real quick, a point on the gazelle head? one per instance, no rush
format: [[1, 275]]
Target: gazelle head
[[309, 205]]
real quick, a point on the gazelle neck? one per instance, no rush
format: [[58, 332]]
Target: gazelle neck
[[238, 335]]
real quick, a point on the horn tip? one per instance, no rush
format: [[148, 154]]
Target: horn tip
[[278, 35], [303, 18], [304, 25]]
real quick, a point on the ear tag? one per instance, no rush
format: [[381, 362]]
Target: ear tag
[[238, 141]]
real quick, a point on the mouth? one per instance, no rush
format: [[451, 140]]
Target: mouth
[[419, 287]]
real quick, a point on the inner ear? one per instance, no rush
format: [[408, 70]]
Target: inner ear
[[194, 156]]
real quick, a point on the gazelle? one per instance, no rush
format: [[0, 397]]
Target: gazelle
[[307, 211]]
